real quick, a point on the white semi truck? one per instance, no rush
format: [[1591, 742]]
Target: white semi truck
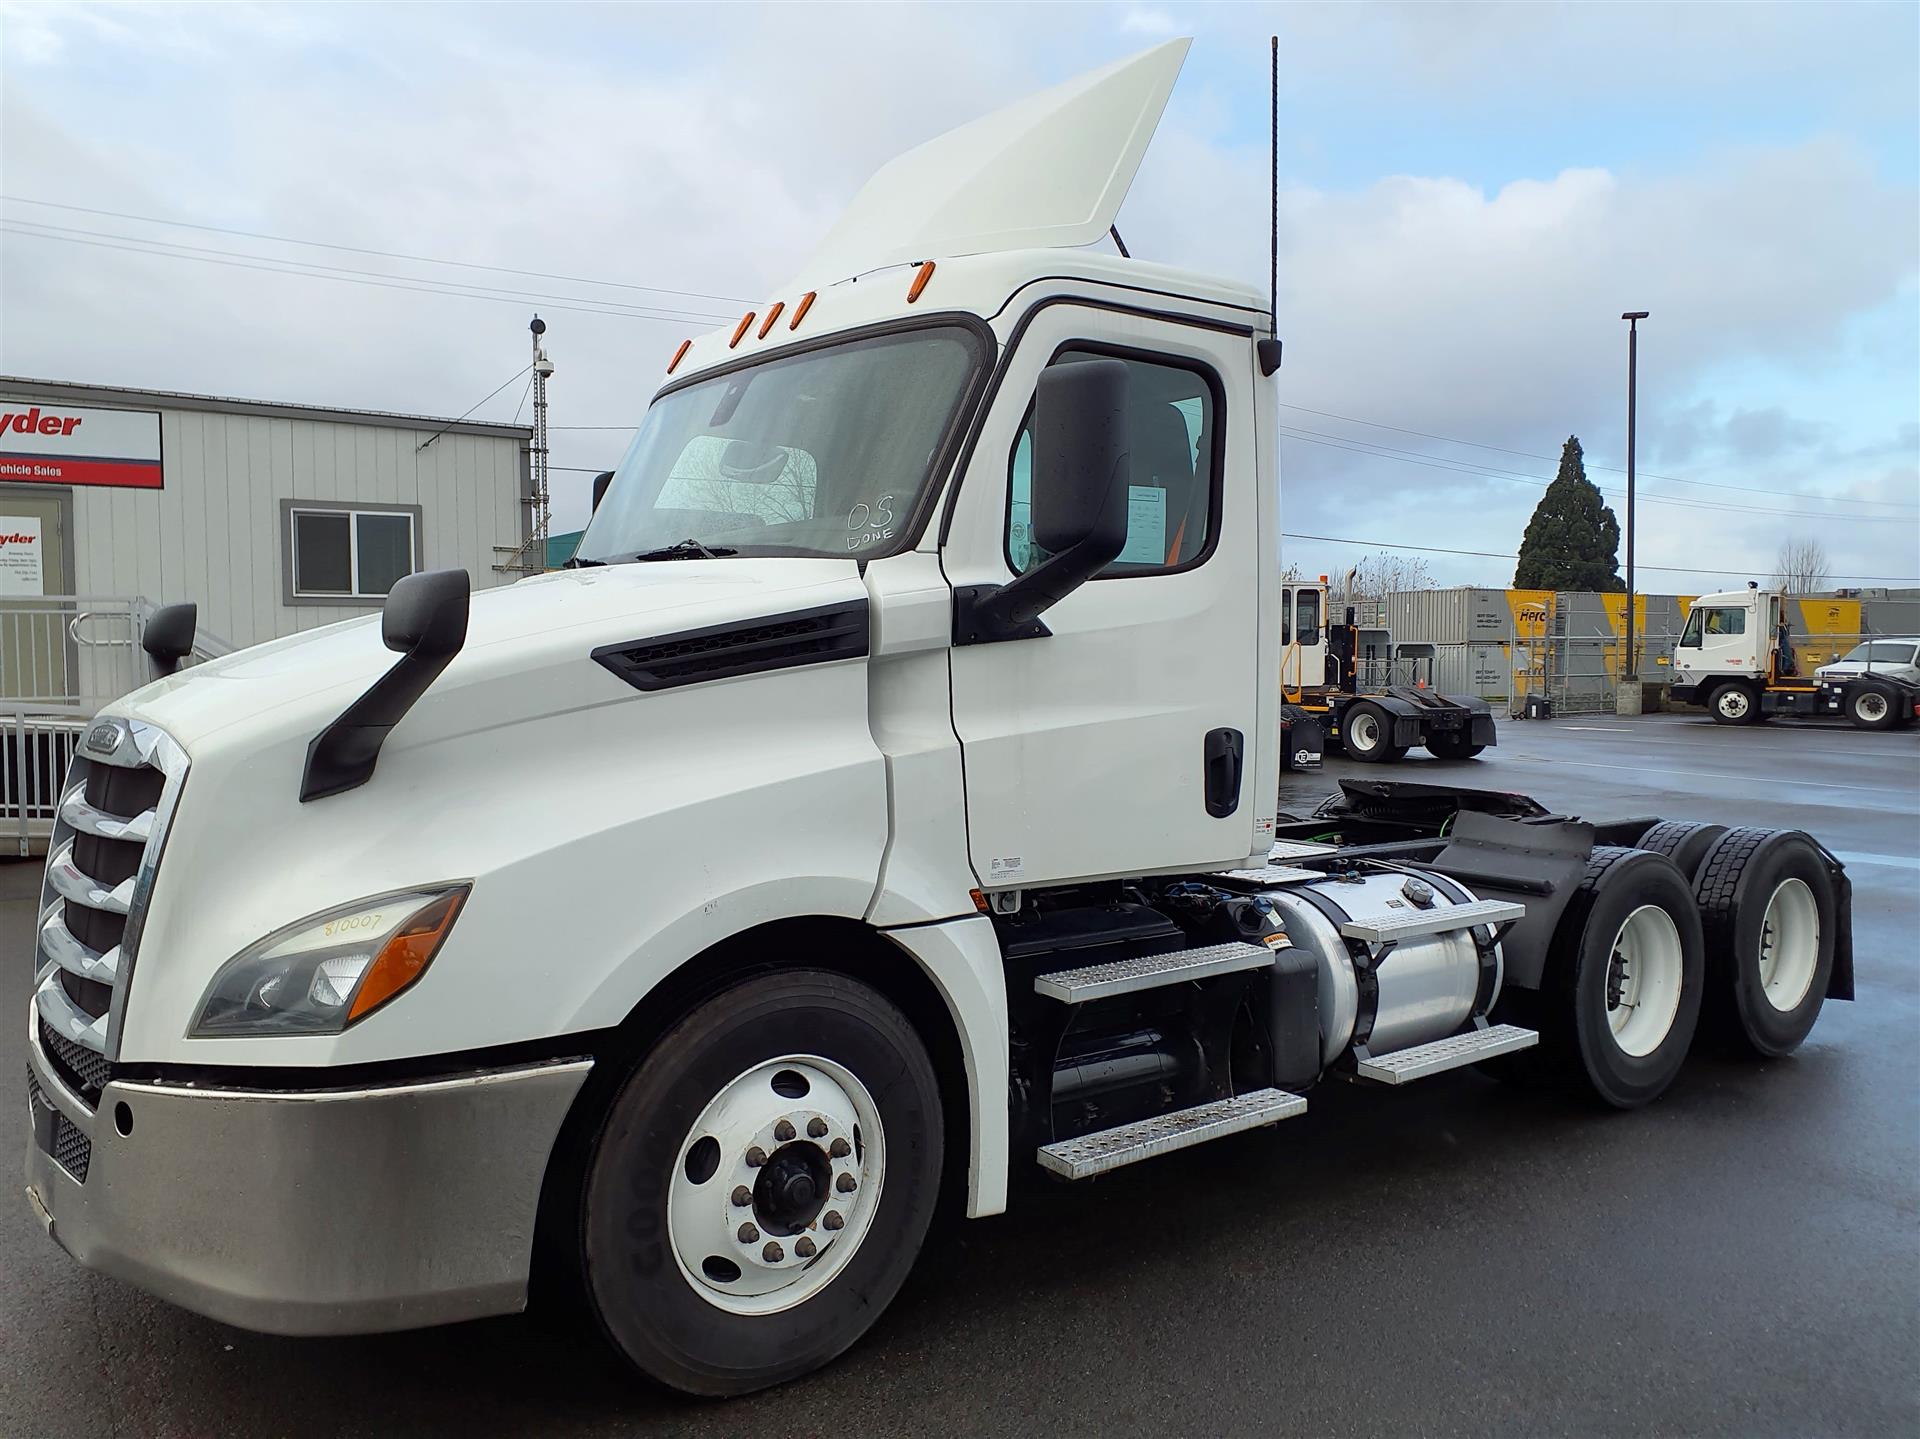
[[691, 921], [1736, 659]]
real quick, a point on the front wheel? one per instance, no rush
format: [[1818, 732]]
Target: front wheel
[[1871, 706], [1366, 733], [762, 1184], [1734, 703]]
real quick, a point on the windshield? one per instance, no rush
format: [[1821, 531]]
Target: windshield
[[1883, 652], [824, 453]]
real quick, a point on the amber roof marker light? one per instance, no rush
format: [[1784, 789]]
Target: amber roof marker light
[[800, 310], [679, 355], [740, 329], [924, 274], [772, 315]]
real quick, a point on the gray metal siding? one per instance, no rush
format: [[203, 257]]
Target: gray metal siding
[[212, 535]]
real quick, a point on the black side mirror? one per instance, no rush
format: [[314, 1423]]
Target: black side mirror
[[600, 483], [168, 636], [426, 620], [1081, 467]]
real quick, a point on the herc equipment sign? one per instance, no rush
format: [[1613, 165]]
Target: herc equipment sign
[[48, 443]]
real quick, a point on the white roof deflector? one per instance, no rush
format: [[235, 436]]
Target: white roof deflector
[[1049, 170]]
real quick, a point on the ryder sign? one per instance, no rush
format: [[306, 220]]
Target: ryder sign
[[45, 442]]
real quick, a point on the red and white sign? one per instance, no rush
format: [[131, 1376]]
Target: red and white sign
[[23, 569], [45, 442]]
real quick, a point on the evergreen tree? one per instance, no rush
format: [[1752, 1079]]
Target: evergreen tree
[[1573, 541]]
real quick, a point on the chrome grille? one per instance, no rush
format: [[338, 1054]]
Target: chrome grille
[[111, 826]]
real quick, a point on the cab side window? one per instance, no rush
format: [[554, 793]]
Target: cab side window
[[1173, 490]]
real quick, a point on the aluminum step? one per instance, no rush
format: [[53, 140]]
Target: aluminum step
[[1441, 919], [1284, 849], [1093, 1154], [1274, 876], [1441, 1055], [1124, 976]]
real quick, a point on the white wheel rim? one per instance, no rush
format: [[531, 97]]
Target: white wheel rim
[[797, 1116], [1871, 706], [1364, 730], [1789, 945], [1644, 971], [1733, 704]]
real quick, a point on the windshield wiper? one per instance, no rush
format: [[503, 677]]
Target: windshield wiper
[[684, 550], [577, 563]]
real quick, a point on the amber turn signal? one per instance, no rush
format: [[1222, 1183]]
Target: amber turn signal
[[405, 957]]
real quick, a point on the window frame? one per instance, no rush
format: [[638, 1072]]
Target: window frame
[[352, 509], [1216, 450]]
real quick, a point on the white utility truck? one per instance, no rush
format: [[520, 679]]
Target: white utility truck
[[689, 922], [1736, 659], [1321, 664]]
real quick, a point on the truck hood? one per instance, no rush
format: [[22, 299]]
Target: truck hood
[[528, 648]]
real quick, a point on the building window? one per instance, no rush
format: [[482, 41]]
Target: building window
[[346, 554]]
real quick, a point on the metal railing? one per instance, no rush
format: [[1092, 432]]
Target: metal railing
[[62, 658]]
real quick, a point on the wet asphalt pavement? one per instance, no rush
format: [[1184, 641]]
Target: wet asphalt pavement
[[1742, 1257]]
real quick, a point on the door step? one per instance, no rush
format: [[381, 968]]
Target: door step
[[1441, 919], [1124, 976], [1405, 1065], [1093, 1154]]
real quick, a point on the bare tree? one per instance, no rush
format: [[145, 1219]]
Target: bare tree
[[1801, 567], [1384, 573]]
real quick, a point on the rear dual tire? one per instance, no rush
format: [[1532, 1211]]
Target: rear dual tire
[[1769, 911], [1453, 746]]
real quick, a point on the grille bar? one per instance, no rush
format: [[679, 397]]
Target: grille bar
[[71, 883], [58, 944], [76, 813]]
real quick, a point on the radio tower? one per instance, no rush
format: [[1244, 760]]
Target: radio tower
[[541, 499]]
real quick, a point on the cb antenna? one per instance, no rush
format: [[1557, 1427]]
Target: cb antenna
[[1269, 348]]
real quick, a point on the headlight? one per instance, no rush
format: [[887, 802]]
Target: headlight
[[331, 969]]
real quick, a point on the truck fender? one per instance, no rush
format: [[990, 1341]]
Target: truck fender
[[1538, 865]]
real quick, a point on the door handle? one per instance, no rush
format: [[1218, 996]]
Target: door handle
[[1222, 764]]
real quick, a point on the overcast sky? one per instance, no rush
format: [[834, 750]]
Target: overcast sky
[[1470, 197]]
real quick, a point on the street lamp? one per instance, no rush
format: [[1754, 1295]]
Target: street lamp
[[1633, 319]]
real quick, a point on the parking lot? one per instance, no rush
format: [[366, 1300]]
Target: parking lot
[[1456, 1258]]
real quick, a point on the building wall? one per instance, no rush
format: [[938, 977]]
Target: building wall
[[214, 533]]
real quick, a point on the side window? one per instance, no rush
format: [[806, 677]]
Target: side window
[[1726, 622], [1286, 617], [1172, 422], [1309, 617]]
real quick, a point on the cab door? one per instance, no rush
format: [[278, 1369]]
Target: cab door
[[1122, 741]]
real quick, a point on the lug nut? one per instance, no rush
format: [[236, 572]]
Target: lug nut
[[748, 1234], [783, 1131], [816, 1128], [803, 1246], [840, 1149], [773, 1253], [846, 1184], [756, 1157], [742, 1196], [832, 1219]]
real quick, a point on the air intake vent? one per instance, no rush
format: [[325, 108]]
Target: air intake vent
[[806, 637]]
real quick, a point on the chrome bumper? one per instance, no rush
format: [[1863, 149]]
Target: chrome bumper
[[339, 1212]]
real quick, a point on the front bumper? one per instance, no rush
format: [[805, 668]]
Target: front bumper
[[332, 1212]]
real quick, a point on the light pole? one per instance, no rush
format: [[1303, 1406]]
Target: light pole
[[1633, 319]]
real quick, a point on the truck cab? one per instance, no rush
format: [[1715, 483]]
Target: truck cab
[[1736, 657], [879, 809]]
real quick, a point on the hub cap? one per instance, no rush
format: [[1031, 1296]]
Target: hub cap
[[777, 1183], [1364, 730], [1643, 980], [1734, 704], [1789, 945], [1871, 705]]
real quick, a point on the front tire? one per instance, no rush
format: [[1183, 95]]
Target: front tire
[[1366, 733], [762, 1184], [1734, 703]]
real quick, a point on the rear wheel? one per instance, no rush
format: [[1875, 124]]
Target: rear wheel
[[1621, 995], [1366, 733], [1871, 706], [1734, 703], [1453, 746], [1685, 842], [1768, 908], [761, 1184]]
